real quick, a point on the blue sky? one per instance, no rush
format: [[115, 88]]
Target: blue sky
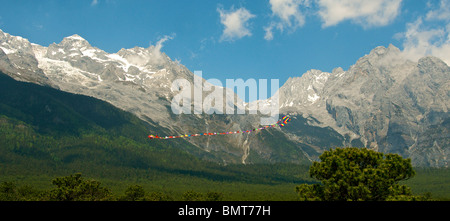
[[264, 39]]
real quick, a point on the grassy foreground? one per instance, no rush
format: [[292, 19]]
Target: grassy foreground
[[433, 182]]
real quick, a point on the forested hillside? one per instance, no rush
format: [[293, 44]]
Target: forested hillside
[[46, 133]]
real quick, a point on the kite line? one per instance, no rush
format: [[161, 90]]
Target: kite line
[[282, 122]]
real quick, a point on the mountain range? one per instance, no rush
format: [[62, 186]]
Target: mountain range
[[384, 101]]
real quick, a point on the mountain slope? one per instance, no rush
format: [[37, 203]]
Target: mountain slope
[[139, 80], [384, 101], [46, 133], [54, 113]]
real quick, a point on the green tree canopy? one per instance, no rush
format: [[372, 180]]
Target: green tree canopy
[[134, 193], [358, 174], [75, 188]]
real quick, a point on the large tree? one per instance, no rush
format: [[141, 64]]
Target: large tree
[[358, 174], [75, 188]]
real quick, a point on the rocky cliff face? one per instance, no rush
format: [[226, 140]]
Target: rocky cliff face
[[138, 80], [384, 101], [17, 58]]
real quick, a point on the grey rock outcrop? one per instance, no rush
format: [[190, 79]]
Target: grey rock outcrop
[[383, 101]]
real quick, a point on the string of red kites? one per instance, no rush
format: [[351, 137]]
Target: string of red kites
[[282, 122]]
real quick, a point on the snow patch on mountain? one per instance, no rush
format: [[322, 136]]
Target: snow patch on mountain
[[384, 101]]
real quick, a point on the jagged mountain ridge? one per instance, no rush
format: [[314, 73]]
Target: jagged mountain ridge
[[138, 80], [384, 101]]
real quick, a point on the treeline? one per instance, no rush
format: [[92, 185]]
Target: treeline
[[359, 174], [169, 172], [26, 152], [77, 188]]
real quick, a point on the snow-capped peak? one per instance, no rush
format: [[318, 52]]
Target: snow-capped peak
[[12, 44], [74, 41], [76, 37]]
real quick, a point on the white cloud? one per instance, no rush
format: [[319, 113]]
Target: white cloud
[[367, 13], [156, 49], [288, 14], [288, 11], [269, 34], [161, 41], [442, 12], [420, 40], [236, 23], [94, 2]]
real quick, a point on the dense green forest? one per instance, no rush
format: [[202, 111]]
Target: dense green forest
[[46, 135], [193, 189]]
